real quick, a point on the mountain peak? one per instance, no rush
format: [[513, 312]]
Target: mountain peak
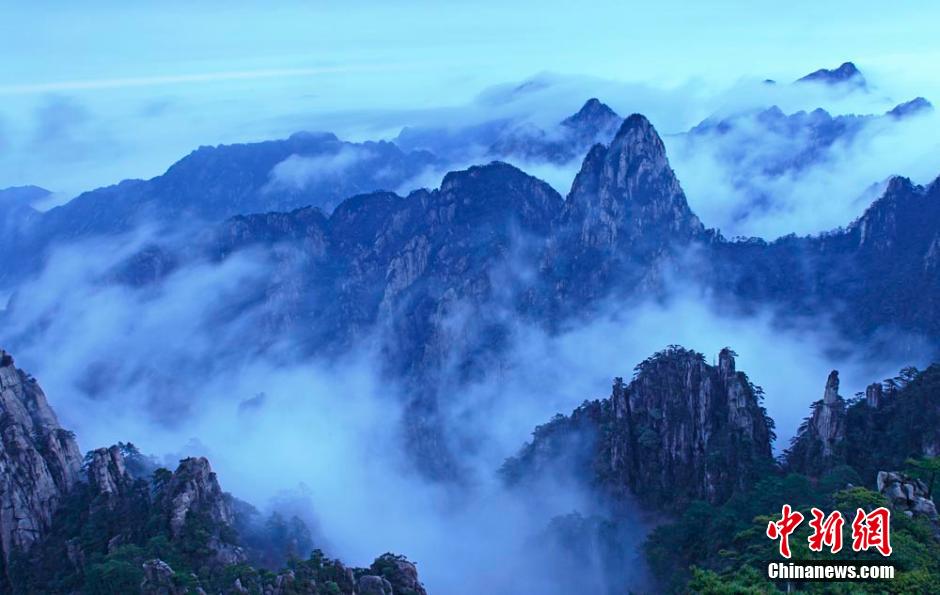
[[594, 122], [637, 132], [847, 72], [490, 192], [593, 110], [909, 108], [628, 191], [674, 400], [901, 218]]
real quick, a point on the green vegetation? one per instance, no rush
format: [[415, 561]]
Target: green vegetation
[[724, 549]]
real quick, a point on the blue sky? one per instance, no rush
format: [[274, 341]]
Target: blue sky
[[93, 92]]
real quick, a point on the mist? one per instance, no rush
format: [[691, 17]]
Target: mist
[[169, 367], [742, 199]]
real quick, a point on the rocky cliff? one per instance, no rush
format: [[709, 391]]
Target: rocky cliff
[[681, 430], [39, 462], [116, 523]]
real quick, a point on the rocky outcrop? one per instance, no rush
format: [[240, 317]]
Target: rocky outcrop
[[39, 461], [159, 579], [398, 576], [107, 472], [907, 494], [820, 442], [63, 526], [193, 494], [194, 488], [680, 430], [689, 430], [895, 421], [910, 496]]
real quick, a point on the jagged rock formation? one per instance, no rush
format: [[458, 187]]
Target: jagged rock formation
[[185, 509], [876, 274], [626, 193], [397, 574], [113, 529], [194, 489], [758, 149], [680, 430], [193, 492], [39, 462], [625, 225], [820, 441], [107, 472], [625, 211], [891, 423]]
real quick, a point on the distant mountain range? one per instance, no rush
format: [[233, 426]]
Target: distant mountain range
[[438, 281], [320, 170], [495, 247]]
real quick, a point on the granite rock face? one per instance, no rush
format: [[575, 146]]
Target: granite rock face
[[907, 494], [690, 430], [39, 461], [893, 422], [820, 442], [626, 193], [399, 574], [193, 488], [107, 473], [193, 491], [61, 519], [680, 430]]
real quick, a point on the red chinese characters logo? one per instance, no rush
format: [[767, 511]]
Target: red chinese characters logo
[[869, 530], [782, 529], [872, 530], [826, 531]]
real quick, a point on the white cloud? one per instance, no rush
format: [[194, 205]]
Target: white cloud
[[297, 172]]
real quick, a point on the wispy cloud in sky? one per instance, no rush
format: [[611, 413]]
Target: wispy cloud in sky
[[179, 79], [244, 71]]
